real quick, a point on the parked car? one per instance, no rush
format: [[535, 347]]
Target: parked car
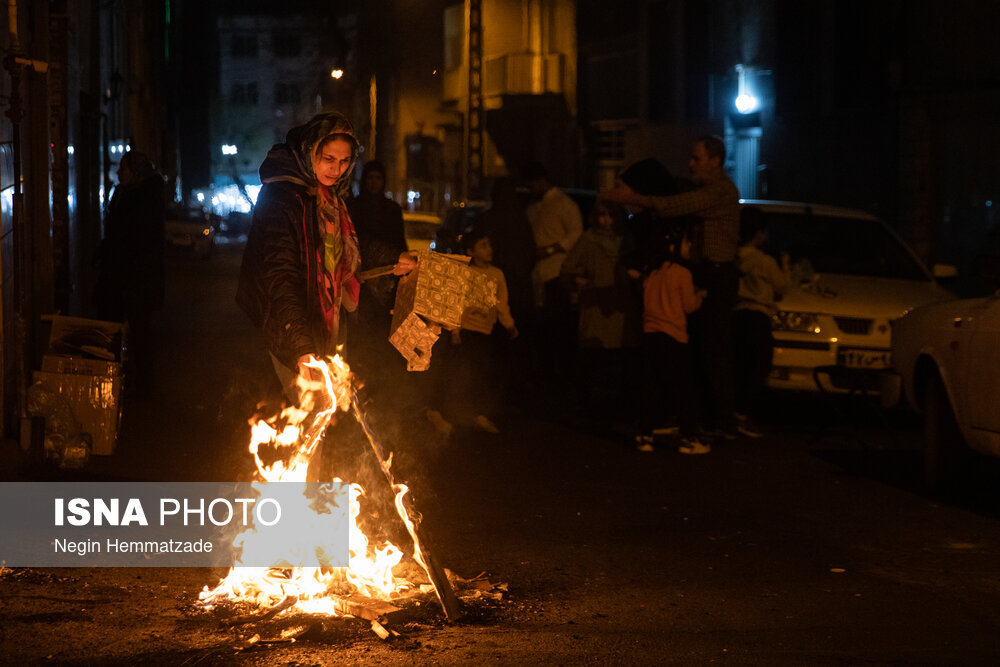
[[947, 359], [420, 229], [190, 230], [852, 278]]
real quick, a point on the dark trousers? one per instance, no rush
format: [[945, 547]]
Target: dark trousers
[[753, 345], [667, 384], [556, 335], [711, 331], [464, 380]]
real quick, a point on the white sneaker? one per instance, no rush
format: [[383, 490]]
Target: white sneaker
[[693, 446], [483, 423], [442, 425]]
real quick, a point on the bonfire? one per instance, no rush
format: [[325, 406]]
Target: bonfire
[[371, 571]]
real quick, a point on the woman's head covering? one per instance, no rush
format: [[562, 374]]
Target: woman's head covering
[[293, 160]]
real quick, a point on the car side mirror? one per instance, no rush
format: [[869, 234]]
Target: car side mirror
[[944, 271]]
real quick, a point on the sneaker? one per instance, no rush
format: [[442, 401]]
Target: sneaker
[[442, 425], [749, 429], [693, 446], [483, 423], [644, 443]]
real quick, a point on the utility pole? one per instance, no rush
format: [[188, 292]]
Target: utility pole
[[474, 124]]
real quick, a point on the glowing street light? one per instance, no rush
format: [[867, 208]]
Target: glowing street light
[[336, 73], [746, 102], [229, 149]]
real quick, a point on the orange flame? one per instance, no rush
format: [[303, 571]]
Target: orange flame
[[327, 388]]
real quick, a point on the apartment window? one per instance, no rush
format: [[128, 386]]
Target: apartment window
[[244, 46], [286, 93], [287, 45], [244, 94]]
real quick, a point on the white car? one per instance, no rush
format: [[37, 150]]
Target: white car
[[947, 356], [420, 229], [852, 278]]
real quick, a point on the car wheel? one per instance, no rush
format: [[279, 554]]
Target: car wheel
[[943, 443]]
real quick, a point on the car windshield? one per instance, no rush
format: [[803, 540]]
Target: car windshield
[[846, 246]]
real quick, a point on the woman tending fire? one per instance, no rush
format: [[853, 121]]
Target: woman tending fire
[[302, 253]]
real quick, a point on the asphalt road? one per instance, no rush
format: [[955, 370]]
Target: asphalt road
[[811, 546]]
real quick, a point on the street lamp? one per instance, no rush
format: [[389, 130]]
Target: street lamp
[[336, 73], [746, 101]]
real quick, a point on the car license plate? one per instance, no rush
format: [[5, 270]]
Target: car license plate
[[864, 358], [780, 373]]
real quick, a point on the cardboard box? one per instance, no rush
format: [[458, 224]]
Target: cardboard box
[[95, 401], [436, 293], [86, 339], [52, 363], [414, 340], [83, 364], [442, 287]]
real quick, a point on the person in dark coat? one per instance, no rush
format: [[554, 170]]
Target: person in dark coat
[[507, 227], [130, 281], [302, 252], [382, 237], [509, 231]]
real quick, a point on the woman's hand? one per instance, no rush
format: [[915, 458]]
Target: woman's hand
[[407, 262], [306, 371]]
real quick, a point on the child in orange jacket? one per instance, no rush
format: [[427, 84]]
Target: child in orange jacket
[[669, 296]]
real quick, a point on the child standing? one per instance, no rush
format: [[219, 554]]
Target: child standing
[[609, 321], [762, 283], [472, 387], [669, 296]]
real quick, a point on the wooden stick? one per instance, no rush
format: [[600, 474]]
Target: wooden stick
[[376, 272], [442, 587]]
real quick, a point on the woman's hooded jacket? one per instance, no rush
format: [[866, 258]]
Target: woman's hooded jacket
[[302, 252]]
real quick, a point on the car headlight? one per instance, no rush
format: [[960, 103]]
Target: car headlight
[[785, 320]]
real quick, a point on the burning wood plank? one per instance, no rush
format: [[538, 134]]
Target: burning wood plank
[[421, 553], [366, 608], [380, 630]]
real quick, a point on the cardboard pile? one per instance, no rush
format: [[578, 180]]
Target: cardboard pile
[[83, 365], [432, 296]]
